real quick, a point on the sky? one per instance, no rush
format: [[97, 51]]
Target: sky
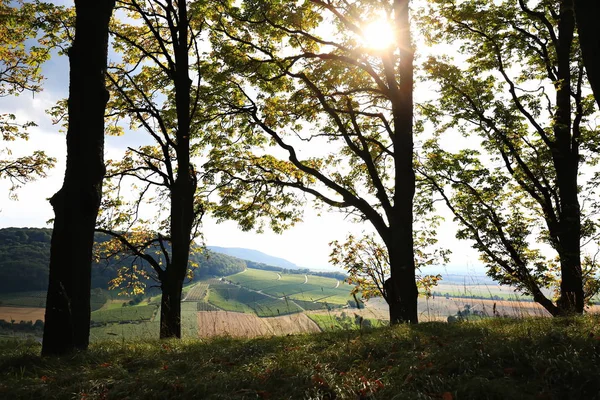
[[306, 244]]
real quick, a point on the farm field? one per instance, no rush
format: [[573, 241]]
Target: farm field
[[239, 299], [131, 313], [305, 288], [24, 299], [18, 314], [247, 325], [439, 308], [197, 292], [478, 290], [38, 299]]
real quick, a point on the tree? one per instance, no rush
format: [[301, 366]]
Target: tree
[[586, 12], [368, 266], [521, 91], [346, 100], [157, 87], [20, 66], [76, 204]]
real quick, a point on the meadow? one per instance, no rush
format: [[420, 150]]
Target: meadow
[[495, 359]]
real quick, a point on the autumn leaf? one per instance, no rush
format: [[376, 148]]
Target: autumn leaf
[[447, 396]]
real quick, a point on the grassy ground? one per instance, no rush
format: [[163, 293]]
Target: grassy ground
[[333, 322], [491, 359], [131, 313]]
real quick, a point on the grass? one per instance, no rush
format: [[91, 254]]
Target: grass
[[139, 313], [142, 325], [332, 322], [491, 359]]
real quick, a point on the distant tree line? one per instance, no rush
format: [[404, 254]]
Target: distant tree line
[[22, 326], [298, 271]]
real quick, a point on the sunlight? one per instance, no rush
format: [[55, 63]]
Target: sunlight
[[378, 35]]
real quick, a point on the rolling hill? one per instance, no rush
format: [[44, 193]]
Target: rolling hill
[[254, 255]]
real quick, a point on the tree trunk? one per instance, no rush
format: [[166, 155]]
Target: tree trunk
[[401, 286], [565, 154], [170, 308], [67, 321], [184, 189], [587, 12]]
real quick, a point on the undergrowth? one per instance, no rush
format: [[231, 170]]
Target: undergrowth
[[498, 358]]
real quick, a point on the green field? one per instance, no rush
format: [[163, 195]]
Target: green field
[[238, 299], [497, 292], [38, 299], [139, 322], [305, 288], [122, 314], [330, 322]]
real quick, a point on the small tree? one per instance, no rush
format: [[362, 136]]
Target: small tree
[[158, 87], [367, 263]]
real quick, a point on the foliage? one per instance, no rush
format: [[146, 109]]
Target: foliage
[[514, 192], [29, 31], [368, 266], [491, 359], [318, 113]]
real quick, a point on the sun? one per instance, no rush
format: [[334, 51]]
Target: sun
[[378, 34]]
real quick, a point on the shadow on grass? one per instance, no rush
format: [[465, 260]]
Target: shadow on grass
[[490, 359]]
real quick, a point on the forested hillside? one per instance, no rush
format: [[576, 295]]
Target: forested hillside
[[255, 256], [25, 252]]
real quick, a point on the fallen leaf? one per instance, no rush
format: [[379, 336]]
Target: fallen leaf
[[447, 396]]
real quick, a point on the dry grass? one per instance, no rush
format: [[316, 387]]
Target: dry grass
[[18, 314], [439, 308], [219, 323]]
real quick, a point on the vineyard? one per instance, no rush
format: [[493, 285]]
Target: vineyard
[[198, 292], [235, 298], [304, 288]]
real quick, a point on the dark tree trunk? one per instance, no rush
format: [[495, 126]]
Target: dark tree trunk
[[402, 295], [565, 154], [587, 13], [401, 288], [184, 189], [67, 323], [170, 308]]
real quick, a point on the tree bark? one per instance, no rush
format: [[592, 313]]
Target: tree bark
[[170, 308], [401, 284], [401, 288], [184, 189], [587, 13], [76, 204], [565, 154]]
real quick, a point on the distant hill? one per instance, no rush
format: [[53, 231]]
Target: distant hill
[[25, 254], [254, 255]]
